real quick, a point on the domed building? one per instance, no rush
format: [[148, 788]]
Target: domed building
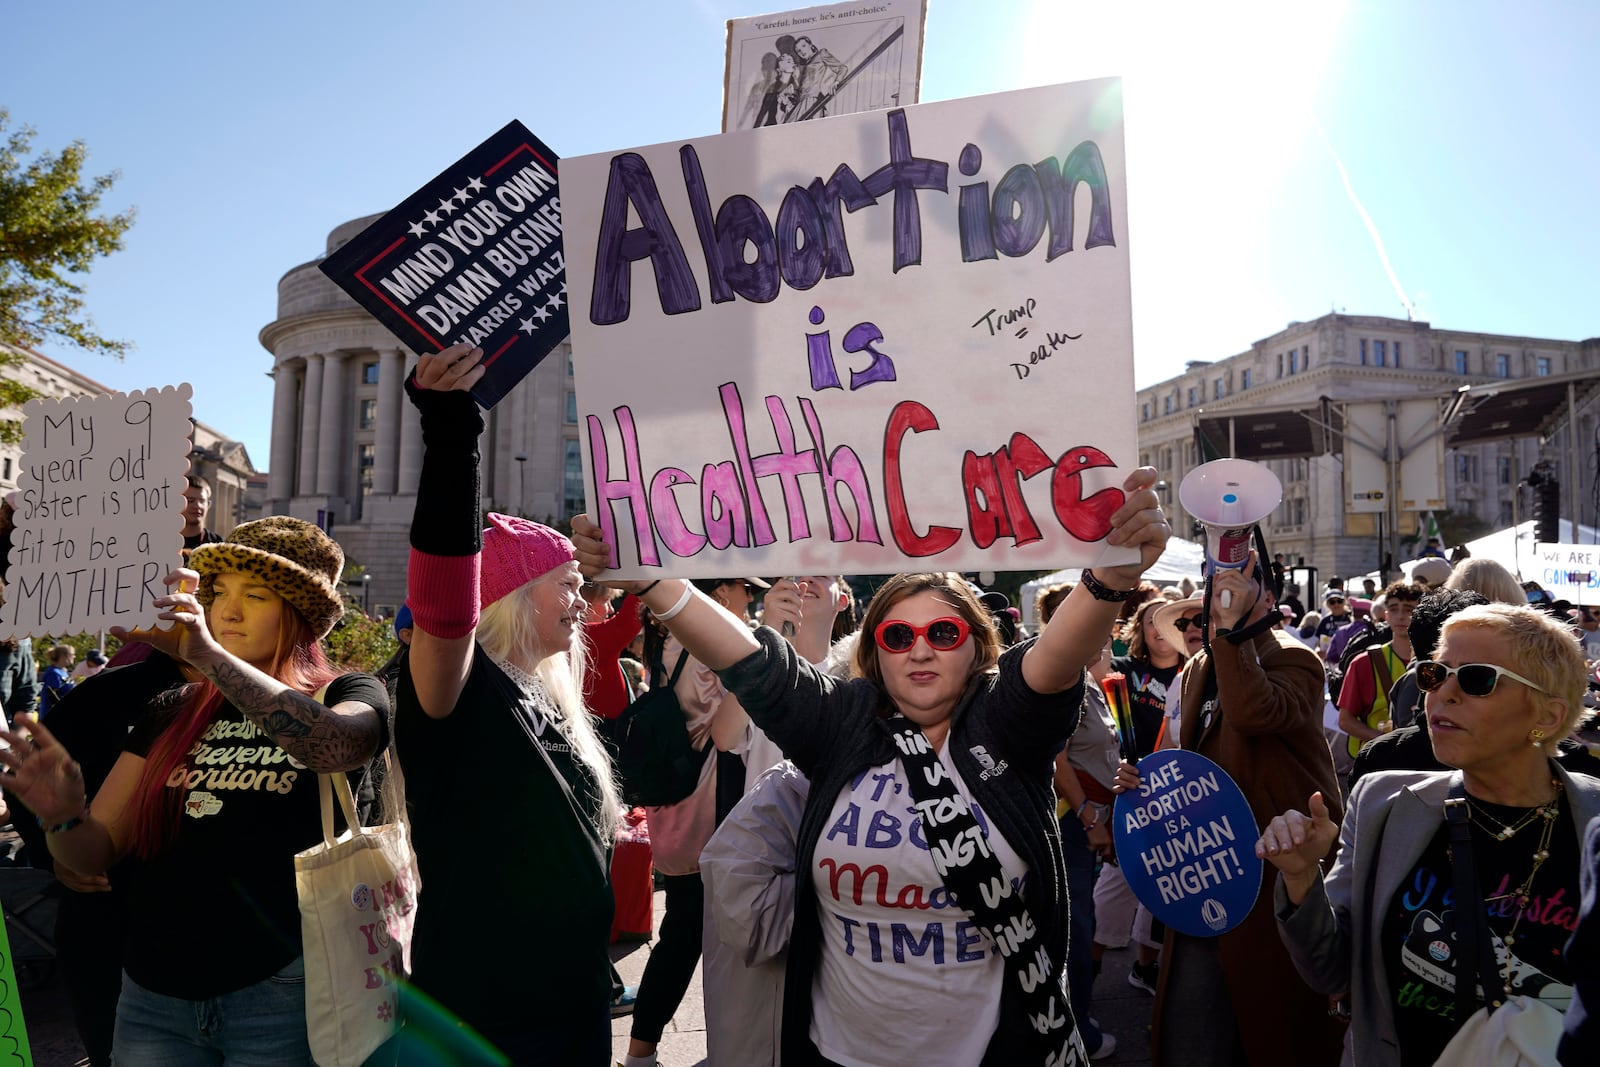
[[347, 445]]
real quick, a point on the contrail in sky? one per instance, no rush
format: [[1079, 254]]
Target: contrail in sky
[[1372, 227]]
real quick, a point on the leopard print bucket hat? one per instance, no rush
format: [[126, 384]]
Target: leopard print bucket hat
[[291, 557]]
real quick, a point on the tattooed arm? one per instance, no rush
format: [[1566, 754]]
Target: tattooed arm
[[326, 739]]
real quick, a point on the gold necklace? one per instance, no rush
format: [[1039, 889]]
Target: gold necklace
[[1523, 893], [1504, 832]]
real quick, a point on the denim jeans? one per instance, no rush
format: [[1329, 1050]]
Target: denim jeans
[[263, 1024], [1080, 861]]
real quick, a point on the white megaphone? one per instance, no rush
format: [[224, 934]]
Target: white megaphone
[[1229, 496]]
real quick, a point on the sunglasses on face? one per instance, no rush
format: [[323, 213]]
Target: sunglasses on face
[[941, 634], [1475, 679], [1182, 625]]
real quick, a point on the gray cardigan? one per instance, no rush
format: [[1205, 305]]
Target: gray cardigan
[[1334, 935], [1003, 740]]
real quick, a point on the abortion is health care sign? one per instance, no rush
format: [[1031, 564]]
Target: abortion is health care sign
[[474, 255], [1186, 844], [850, 344]]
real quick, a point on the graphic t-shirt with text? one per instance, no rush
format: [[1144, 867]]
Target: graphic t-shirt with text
[[217, 911], [886, 914], [1419, 927]]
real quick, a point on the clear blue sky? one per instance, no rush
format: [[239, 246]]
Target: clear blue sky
[[245, 132]]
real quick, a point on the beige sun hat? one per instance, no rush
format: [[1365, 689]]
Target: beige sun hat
[[1167, 616]]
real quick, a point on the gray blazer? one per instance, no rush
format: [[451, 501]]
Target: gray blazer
[[1333, 936]]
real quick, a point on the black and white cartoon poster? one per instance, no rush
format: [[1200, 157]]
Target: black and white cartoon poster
[[839, 59]]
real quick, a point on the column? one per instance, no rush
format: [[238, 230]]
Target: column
[[310, 425], [285, 397], [330, 460], [410, 440], [391, 405]]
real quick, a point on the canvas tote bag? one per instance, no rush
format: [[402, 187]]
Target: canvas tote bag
[[358, 905]]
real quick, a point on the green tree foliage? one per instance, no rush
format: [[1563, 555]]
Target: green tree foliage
[[50, 232], [358, 643]]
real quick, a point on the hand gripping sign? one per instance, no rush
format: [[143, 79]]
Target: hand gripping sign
[[1186, 844]]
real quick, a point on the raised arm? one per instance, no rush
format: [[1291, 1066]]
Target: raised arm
[[446, 535], [45, 777], [712, 634], [325, 739], [1077, 631]]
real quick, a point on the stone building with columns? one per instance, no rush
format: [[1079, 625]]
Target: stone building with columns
[[1339, 359], [347, 445]]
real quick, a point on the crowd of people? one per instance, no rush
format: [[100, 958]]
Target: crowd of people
[[891, 838]]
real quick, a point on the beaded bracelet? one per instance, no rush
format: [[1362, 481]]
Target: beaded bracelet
[[62, 827], [1101, 591], [683, 602]]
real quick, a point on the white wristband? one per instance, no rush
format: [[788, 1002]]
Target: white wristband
[[682, 602]]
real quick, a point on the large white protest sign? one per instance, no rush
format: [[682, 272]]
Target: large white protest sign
[[840, 346], [1568, 572], [817, 62], [98, 511]]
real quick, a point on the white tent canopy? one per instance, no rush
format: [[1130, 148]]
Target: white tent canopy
[[1182, 559], [1513, 549]]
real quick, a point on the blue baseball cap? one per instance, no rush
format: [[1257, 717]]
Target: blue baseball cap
[[402, 619]]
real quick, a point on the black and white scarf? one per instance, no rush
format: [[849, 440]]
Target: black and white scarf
[[981, 887]]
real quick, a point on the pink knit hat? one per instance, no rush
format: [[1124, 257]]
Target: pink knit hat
[[515, 552]]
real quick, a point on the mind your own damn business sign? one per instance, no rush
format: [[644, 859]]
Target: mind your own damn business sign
[[842, 345]]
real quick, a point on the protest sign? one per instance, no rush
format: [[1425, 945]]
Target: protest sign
[[833, 347], [838, 59], [97, 512], [14, 1048], [1186, 843], [474, 255], [1569, 572]]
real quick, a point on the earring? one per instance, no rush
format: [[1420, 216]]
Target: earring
[[1536, 738]]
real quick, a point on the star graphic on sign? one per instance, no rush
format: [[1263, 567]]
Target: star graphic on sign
[[527, 326], [431, 218], [563, 288], [555, 301], [447, 207], [417, 229], [461, 195], [476, 185], [540, 313]]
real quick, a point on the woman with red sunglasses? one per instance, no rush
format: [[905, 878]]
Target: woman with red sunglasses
[[1393, 920], [888, 963]]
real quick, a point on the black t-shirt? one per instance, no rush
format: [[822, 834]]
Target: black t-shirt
[[1147, 692], [1419, 938], [217, 911], [514, 915]]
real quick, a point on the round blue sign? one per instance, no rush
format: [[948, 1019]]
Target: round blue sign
[[1186, 843]]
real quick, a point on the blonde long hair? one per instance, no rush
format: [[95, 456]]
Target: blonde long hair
[[506, 632]]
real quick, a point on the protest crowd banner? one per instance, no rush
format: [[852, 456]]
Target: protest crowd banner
[[474, 255], [1569, 572], [838, 346], [1186, 844], [97, 512]]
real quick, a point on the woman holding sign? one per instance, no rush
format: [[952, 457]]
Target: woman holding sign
[[929, 924], [513, 804], [1390, 920], [212, 794]]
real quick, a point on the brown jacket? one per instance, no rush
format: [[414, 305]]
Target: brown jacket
[[1267, 734]]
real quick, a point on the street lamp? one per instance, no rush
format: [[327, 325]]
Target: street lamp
[[522, 483], [366, 583]]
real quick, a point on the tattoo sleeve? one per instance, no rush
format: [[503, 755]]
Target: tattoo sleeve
[[324, 740]]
